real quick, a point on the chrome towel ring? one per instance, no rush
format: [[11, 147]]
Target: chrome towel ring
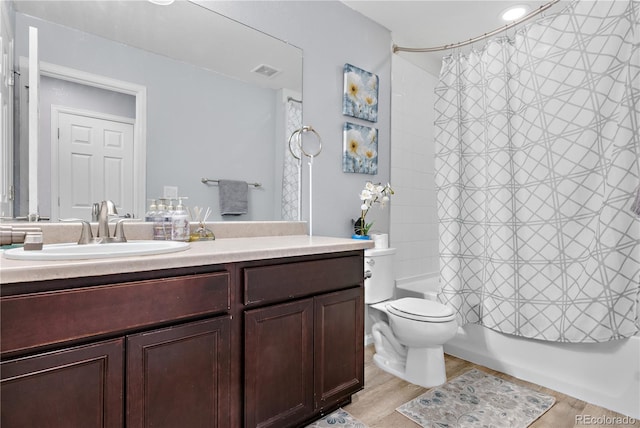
[[297, 137]]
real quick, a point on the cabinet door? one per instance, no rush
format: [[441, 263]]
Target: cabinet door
[[81, 313], [339, 346], [75, 387], [179, 376], [279, 364]]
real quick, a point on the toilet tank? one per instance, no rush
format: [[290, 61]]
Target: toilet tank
[[379, 262]]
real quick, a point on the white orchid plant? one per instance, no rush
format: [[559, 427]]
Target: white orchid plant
[[370, 195]]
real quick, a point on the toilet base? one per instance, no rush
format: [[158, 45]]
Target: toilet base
[[424, 366], [389, 366]]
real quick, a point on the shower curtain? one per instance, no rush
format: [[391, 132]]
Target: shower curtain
[[537, 147], [290, 203]]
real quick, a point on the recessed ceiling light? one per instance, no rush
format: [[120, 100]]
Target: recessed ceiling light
[[162, 2], [514, 12]]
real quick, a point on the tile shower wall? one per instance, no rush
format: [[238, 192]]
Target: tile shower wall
[[413, 216]]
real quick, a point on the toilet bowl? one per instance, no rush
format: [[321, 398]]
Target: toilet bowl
[[420, 328], [408, 333]]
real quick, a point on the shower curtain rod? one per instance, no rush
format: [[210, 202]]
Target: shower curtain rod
[[541, 9]]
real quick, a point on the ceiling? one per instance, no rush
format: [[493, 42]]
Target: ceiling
[[427, 23], [412, 23], [162, 30]]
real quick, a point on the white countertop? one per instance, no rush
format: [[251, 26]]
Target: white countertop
[[200, 253]]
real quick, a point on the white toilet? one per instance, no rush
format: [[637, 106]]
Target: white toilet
[[408, 333]]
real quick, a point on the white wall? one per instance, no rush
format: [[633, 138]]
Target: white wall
[[330, 34], [414, 220]]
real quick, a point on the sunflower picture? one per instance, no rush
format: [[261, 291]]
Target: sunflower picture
[[360, 98], [360, 149]]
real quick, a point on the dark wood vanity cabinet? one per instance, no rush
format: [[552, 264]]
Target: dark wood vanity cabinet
[[338, 346], [278, 364], [270, 343], [73, 387], [303, 356], [179, 376], [166, 363], [174, 377]]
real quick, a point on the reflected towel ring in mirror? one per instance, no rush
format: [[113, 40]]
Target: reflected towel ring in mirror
[[297, 135]]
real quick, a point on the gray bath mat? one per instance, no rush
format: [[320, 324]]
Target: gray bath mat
[[476, 399], [339, 418]]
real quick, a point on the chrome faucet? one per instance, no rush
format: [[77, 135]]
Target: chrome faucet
[[95, 210], [107, 209], [86, 235], [118, 233]]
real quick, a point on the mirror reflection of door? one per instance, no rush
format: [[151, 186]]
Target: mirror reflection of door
[[95, 162]]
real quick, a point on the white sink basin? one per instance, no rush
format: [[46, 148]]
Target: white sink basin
[[74, 251]]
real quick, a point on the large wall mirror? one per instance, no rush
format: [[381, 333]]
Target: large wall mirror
[[138, 100]]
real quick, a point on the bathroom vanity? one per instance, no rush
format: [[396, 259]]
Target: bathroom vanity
[[263, 331]]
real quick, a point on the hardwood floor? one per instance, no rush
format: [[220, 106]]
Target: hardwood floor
[[375, 405]]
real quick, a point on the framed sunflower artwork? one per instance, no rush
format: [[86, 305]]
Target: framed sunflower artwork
[[360, 144], [360, 98]]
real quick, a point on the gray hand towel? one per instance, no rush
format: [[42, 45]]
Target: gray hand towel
[[233, 197]]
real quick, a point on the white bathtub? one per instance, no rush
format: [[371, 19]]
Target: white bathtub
[[605, 374]]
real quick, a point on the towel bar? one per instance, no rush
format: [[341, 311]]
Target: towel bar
[[209, 180]]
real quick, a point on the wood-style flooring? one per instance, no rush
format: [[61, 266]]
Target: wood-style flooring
[[383, 393]]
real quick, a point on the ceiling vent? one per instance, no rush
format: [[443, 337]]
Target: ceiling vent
[[266, 70]]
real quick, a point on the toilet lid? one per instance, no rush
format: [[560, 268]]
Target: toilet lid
[[421, 310]]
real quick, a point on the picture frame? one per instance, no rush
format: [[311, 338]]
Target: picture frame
[[360, 96], [360, 149]]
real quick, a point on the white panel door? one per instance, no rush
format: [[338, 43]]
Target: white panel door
[[95, 157]]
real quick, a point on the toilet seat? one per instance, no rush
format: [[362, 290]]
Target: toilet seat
[[421, 310]]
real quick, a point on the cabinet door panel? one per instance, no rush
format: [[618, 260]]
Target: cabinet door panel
[[179, 376], [279, 364], [75, 387], [339, 346], [264, 284], [137, 304]]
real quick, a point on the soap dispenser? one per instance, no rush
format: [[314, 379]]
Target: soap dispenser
[[168, 220], [150, 215], [180, 223], [158, 222]]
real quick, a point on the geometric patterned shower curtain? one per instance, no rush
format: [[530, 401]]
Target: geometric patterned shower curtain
[[537, 166], [292, 166]]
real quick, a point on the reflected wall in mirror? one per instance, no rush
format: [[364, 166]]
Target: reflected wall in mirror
[[137, 99]]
